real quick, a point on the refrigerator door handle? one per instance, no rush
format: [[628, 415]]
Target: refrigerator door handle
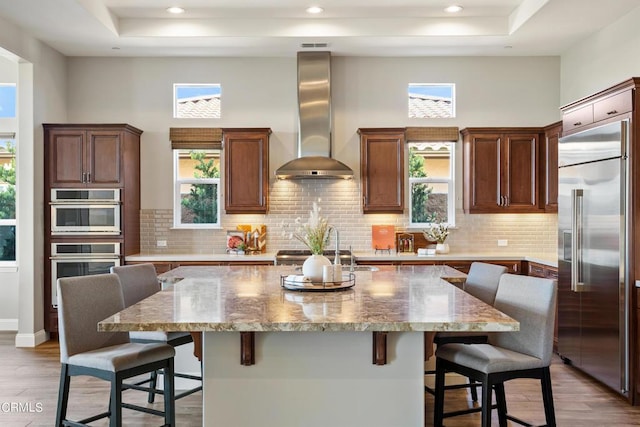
[[577, 284]]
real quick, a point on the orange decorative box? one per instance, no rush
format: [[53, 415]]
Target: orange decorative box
[[383, 236]]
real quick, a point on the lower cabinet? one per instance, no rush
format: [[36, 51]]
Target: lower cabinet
[[513, 266]]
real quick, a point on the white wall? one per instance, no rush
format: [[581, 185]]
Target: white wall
[[261, 92], [41, 98], [608, 57]]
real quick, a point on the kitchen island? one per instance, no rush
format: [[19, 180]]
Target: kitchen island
[[313, 351]]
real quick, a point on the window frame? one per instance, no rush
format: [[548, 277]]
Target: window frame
[[177, 183], [177, 86], [452, 86], [5, 136], [450, 181]]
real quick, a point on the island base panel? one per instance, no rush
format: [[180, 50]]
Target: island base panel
[[315, 379]]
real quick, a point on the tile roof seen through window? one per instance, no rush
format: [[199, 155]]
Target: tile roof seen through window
[[429, 106], [199, 107]]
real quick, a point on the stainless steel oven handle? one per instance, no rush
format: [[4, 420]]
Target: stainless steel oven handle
[[88, 204], [84, 257], [577, 283]]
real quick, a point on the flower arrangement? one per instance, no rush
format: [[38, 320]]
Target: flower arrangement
[[437, 233], [315, 233]]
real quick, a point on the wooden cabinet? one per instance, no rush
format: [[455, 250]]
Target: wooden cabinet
[[382, 169], [246, 172], [549, 167], [92, 156], [501, 169], [578, 118], [598, 108], [513, 266]]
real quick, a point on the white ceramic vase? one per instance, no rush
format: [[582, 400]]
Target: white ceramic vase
[[312, 267], [442, 248]]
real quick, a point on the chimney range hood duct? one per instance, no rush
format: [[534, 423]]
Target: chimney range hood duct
[[314, 128]]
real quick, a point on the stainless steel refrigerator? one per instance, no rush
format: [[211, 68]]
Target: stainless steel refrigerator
[[592, 246]]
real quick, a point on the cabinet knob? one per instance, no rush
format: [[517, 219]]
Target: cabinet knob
[[577, 123], [612, 112]]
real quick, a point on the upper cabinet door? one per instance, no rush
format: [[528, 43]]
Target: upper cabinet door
[[501, 170], [246, 154], [482, 180], [549, 167], [104, 157], [66, 157], [382, 169]]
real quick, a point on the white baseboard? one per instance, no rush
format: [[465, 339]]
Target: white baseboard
[[32, 340], [8, 324]]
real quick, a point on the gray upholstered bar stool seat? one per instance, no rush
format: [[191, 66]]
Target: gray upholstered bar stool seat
[[82, 303], [482, 282], [508, 355], [140, 281]]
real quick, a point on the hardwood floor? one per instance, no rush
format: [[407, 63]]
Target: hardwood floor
[[29, 377]]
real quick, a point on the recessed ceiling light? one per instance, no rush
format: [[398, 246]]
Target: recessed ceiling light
[[315, 10], [453, 9], [175, 9]]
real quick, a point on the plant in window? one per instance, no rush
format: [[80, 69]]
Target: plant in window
[[202, 201], [8, 185], [419, 192]]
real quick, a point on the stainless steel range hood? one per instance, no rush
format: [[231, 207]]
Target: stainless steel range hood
[[314, 126]]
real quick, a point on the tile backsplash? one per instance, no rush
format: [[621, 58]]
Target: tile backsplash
[[340, 203]]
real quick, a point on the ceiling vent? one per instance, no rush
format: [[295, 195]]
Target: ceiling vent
[[314, 45]]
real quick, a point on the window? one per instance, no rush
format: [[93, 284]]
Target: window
[[431, 172], [7, 100], [431, 101], [7, 198], [196, 101], [197, 189]]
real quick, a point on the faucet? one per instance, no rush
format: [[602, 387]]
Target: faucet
[[351, 267], [336, 260]]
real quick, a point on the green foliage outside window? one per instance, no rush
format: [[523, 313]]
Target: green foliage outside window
[[8, 205], [420, 192], [202, 201]]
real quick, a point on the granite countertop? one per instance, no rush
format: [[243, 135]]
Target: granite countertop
[[267, 256], [251, 298], [361, 257], [550, 260]]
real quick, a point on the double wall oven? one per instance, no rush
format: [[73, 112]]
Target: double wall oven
[[85, 233]]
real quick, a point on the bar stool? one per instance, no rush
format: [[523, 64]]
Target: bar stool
[[482, 282], [140, 281], [507, 355], [83, 302]]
